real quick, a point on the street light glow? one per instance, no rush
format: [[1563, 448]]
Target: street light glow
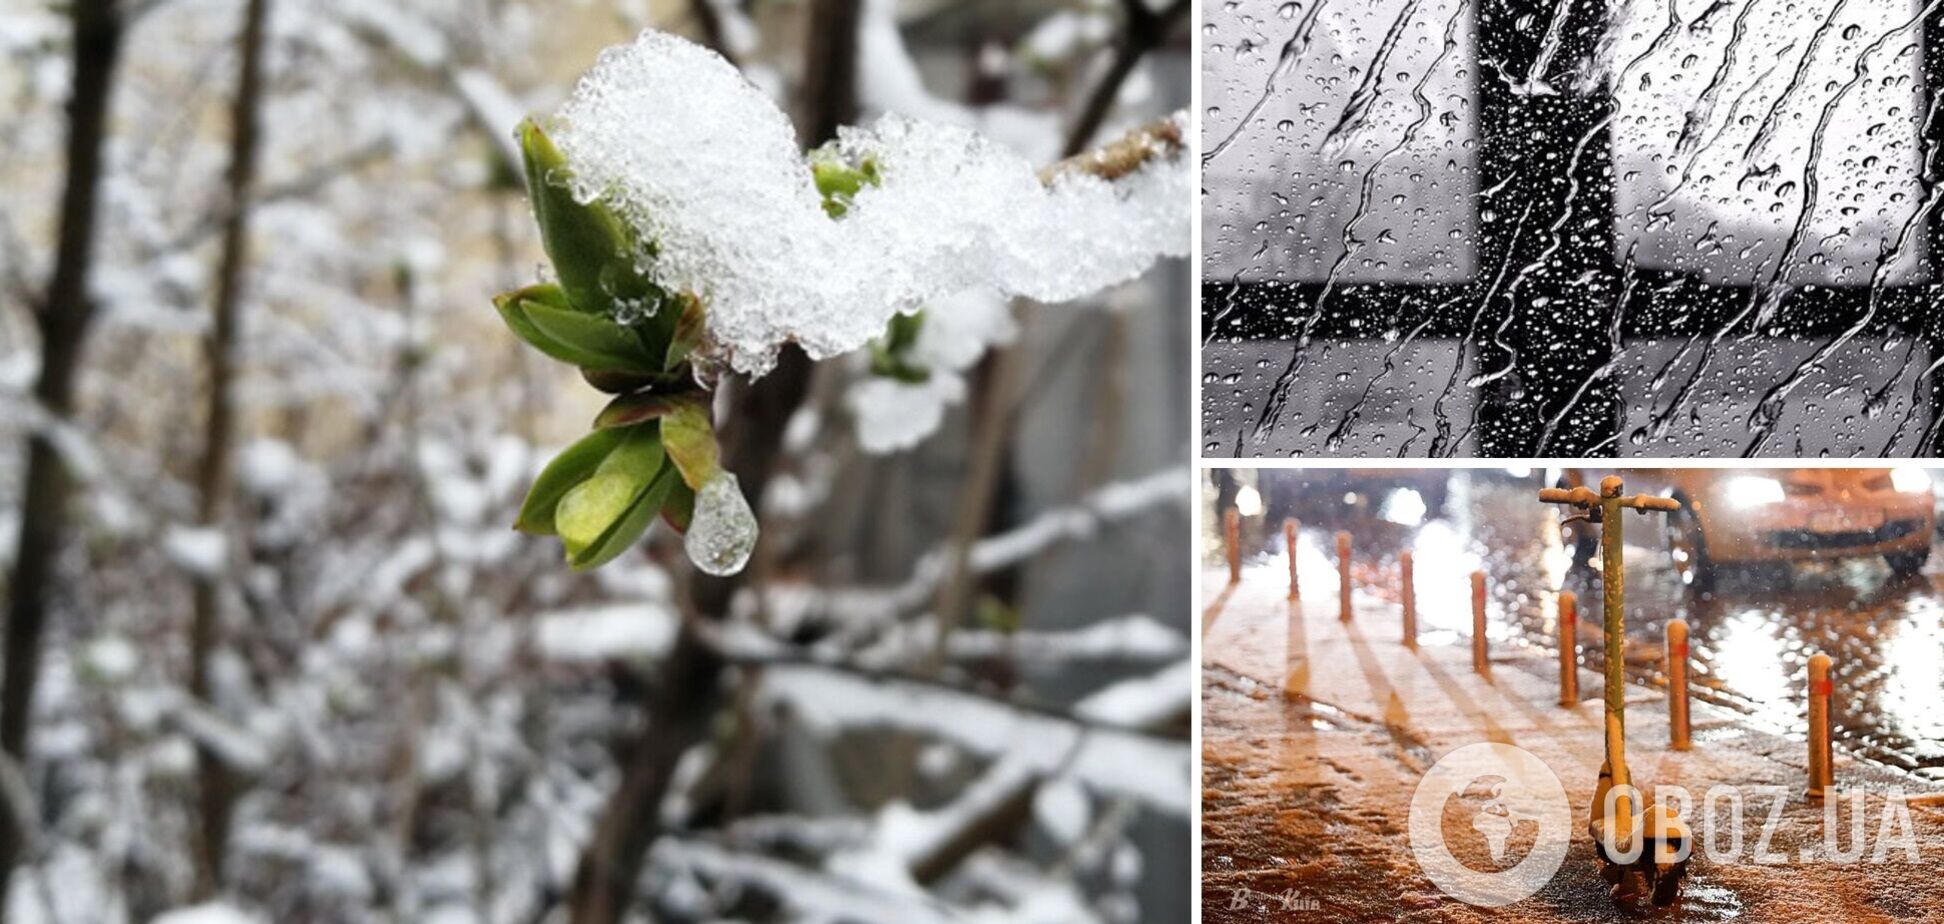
[[1910, 479], [1752, 491], [1248, 501]]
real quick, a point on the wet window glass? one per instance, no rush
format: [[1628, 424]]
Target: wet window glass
[[1488, 227], [1343, 144]]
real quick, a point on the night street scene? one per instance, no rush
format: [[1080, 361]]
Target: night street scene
[[1438, 228], [1407, 713]]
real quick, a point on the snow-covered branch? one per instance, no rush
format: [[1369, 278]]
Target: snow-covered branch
[[1151, 770], [872, 607]]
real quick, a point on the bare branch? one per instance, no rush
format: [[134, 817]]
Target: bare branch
[[1143, 31]]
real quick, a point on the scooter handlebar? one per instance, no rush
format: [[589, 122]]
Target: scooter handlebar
[[1650, 502], [1587, 497], [1580, 497]]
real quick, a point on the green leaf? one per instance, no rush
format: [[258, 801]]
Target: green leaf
[[902, 332], [601, 516], [628, 527], [595, 255], [891, 353], [679, 509], [574, 465], [689, 437], [888, 366], [591, 249], [600, 342], [629, 410], [639, 454], [512, 308], [591, 508]]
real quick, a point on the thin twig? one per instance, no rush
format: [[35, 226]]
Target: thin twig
[[1143, 31]]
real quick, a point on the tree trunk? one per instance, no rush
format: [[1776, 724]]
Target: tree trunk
[[63, 320], [217, 782], [687, 689]]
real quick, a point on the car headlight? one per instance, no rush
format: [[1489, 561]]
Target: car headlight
[[1746, 491], [1910, 479]]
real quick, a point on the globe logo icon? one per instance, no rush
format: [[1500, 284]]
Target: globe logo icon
[[1513, 809]]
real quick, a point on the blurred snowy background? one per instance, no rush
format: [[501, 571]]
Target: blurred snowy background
[[273, 652]]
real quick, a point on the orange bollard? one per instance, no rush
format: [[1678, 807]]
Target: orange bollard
[[1568, 649], [1822, 764], [1479, 662], [1232, 536], [1410, 599], [1343, 579], [1677, 684], [1289, 539]]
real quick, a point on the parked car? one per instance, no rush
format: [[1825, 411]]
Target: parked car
[[1744, 516]]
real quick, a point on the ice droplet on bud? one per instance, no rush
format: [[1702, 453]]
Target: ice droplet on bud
[[723, 531]]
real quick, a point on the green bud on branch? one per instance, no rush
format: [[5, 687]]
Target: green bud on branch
[[653, 449], [600, 494], [839, 182], [891, 353], [689, 435]]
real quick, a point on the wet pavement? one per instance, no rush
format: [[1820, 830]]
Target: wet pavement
[[1751, 636]]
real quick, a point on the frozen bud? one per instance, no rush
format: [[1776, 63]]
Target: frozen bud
[[839, 181], [604, 314], [723, 532]]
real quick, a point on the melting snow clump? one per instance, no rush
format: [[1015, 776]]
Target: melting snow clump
[[711, 176], [197, 550], [892, 415]]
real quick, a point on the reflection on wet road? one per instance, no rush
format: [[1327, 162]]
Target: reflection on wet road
[[1752, 635]]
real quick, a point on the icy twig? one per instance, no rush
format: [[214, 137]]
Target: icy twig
[[870, 607], [813, 895], [908, 844], [1157, 140], [493, 108], [1148, 701], [237, 749]]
